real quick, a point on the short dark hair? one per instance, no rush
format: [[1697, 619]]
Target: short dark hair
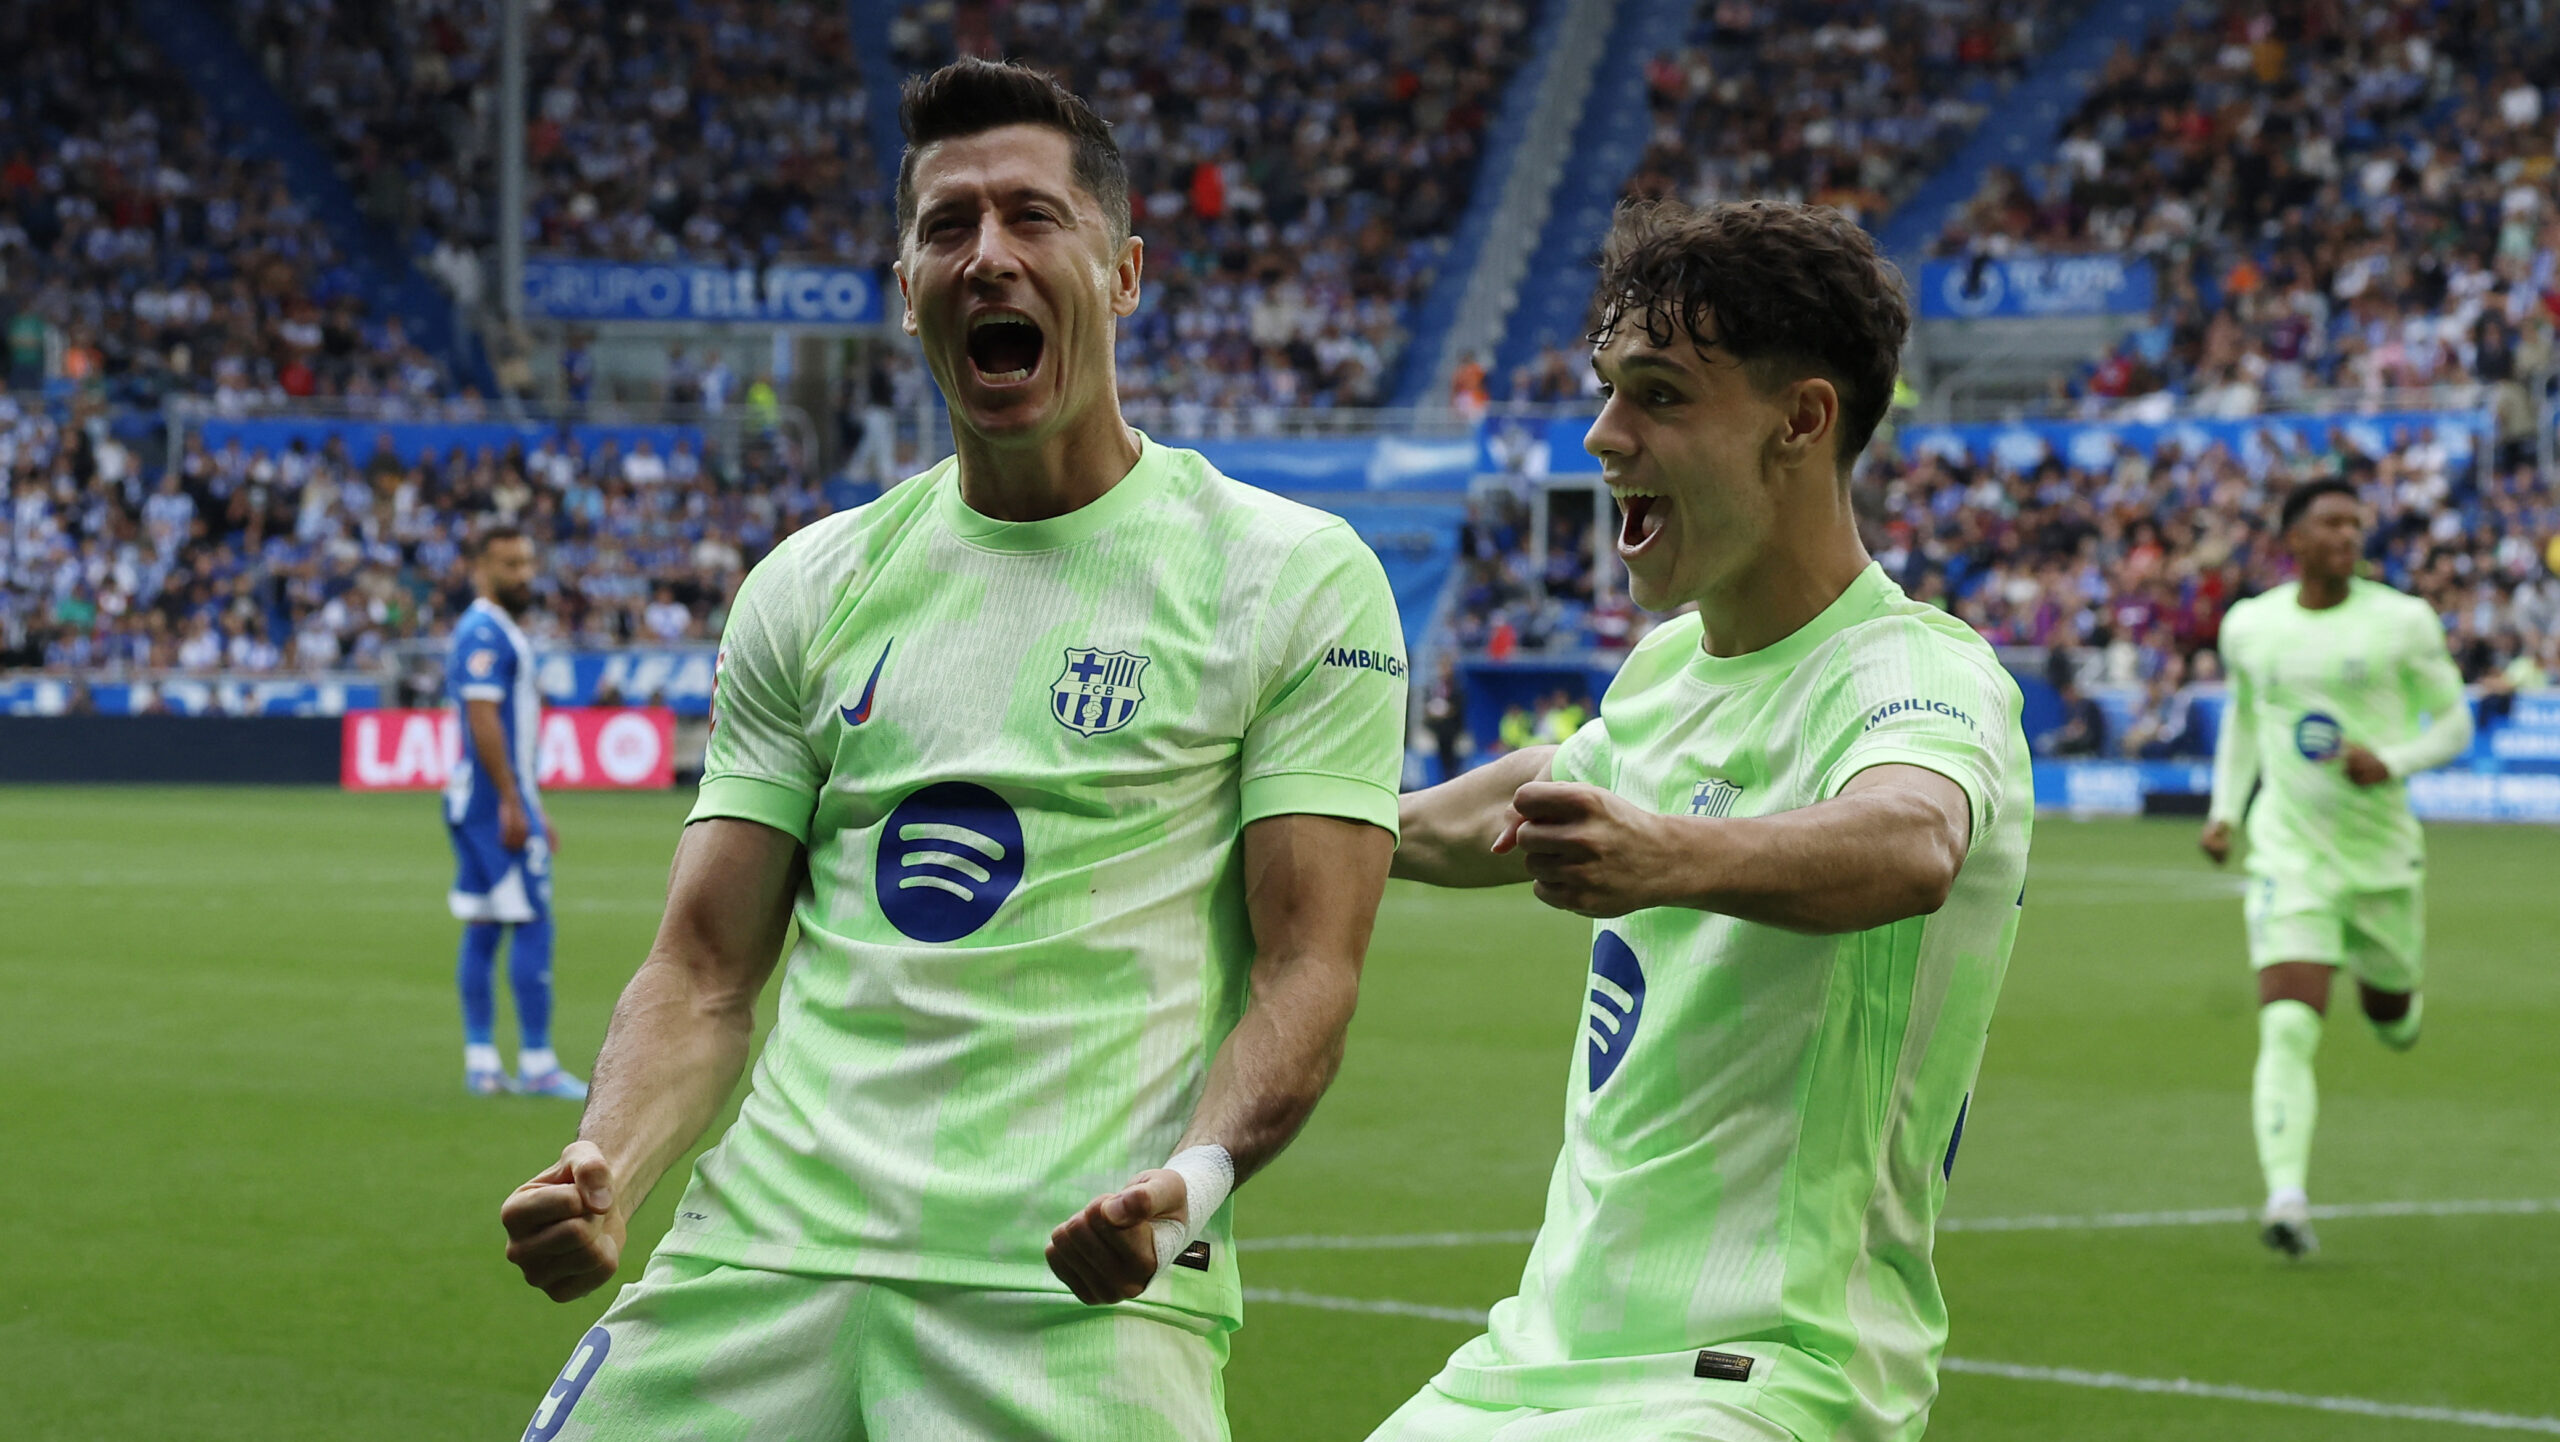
[[491, 534], [2297, 502], [967, 97], [1789, 290]]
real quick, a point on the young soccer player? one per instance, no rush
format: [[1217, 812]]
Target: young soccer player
[[493, 814], [1076, 764], [2339, 688], [1801, 821]]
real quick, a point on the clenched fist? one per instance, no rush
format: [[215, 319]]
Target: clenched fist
[[1107, 1252], [1590, 851], [563, 1231]]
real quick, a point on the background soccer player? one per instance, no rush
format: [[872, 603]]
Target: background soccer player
[[493, 813], [1079, 762], [2330, 676], [1802, 817]]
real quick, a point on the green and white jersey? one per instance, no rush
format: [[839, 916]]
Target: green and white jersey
[[1021, 756], [2303, 686], [1760, 1125]]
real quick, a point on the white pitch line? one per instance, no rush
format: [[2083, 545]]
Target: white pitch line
[[1471, 1316], [2066, 1376], [2181, 1387], [2227, 1216], [2084, 1222], [1386, 1244]]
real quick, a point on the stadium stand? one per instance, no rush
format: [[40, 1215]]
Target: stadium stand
[[2129, 566], [721, 132], [143, 259], [242, 559], [2341, 196], [1733, 97], [1852, 112], [1299, 167], [2337, 202]]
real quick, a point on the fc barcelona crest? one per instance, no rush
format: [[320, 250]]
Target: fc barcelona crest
[[1098, 691], [1714, 797]]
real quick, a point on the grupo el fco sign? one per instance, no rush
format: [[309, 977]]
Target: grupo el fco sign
[[593, 748]]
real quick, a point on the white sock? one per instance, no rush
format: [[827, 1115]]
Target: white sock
[[479, 1056], [2288, 1197], [536, 1063]]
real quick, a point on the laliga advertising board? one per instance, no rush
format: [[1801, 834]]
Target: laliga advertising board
[[580, 748]]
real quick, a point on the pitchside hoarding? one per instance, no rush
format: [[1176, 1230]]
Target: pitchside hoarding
[[579, 748], [2456, 793], [794, 295], [2036, 286]]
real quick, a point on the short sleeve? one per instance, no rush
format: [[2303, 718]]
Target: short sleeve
[[758, 765], [483, 664], [1908, 695], [1586, 758], [1327, 734]]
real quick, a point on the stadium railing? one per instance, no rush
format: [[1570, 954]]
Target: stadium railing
[[2468, 396], [725, 434]]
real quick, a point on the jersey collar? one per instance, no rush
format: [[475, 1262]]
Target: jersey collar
[[1865, 597], [1145, 480]]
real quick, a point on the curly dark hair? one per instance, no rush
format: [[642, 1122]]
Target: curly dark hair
[[970, 96], [2297, 502], [1791, 291]]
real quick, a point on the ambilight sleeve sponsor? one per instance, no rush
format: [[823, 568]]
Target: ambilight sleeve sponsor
[[1329, 739], [1913, 695]]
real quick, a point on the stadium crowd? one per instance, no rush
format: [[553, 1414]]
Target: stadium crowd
[[2339, 195], [143, 260], [2126, 569], [1853, 111], [719, 130], [317, 558], [1296, 166]]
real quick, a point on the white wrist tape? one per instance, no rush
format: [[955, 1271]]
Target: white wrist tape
[[1208, 1175]]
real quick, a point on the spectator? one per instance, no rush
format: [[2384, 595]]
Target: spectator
[[1851, 108], [240, 561], [2337, 199], [144, 259], [1444, 716], [2083, 731], [732, 131], [1295, 166]]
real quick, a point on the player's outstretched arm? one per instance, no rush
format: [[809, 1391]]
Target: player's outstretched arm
[[1887, 847], [1311, 885], [1449, 829], [678, 1043], [2235, 762]]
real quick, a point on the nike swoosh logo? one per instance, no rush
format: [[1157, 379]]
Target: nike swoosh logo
[[860, 712]]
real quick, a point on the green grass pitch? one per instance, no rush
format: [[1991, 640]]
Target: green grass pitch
[[247, 1198]]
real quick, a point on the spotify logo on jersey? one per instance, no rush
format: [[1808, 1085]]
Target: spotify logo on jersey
[[2318, 737], [949, 856], [1617, 1004]]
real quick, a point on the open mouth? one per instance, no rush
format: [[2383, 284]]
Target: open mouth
[[1005, 347], [1641, 517]]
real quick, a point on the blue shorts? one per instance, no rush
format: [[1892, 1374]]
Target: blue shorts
[[491, 883]]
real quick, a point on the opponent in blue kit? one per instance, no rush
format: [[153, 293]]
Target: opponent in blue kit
[[501, 844]]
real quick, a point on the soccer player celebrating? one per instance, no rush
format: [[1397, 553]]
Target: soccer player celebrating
[[2330, 677], [493, 814], [1801, 822], [1076, 764]]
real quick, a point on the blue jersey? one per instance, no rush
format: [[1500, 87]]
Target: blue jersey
[[491, 661]]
